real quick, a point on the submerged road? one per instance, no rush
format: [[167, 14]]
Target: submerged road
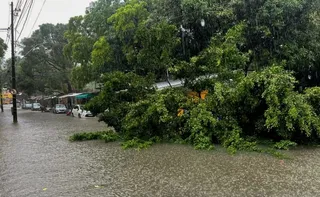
[[36, 159]]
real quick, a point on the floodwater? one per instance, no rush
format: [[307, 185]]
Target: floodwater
[[36, 159]]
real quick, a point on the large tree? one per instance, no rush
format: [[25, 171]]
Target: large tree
[[44, 66], [152, 35], [89, 32], [281, 30], [213, 45]]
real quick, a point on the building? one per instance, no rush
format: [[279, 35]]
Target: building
[[6, 97]]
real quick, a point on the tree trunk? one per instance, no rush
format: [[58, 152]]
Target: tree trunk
[[69, 86]]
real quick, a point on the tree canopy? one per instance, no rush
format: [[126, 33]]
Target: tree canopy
[[3, 48], [153, 35], [44, 68], [251, 56]]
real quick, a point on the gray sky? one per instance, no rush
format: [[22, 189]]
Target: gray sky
[[54, 11]]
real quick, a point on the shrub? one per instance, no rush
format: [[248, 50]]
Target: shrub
[[284, 144], [119, 91], [114, 117], [262, 105], [200, 126], [108, 136], [154, 116], [271, 99], [136, 143], [313, 97]]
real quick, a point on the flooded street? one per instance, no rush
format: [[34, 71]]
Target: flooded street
[[36, 159]]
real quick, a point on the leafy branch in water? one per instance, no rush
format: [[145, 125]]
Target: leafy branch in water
[[136, 143], [284, 144], [107, 136]]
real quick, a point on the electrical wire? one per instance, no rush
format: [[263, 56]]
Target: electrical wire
[[27, 17], [17, 9], [44, 2], [23, 12], [4, 30], [8, 32], [9, 15], [15, 15], [19, 4]]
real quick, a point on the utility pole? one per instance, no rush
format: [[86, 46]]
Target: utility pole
[[1, 88], [14, 95], [1, 100]]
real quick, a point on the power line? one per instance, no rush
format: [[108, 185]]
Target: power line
[[23, 12], [19, 4], [16, 10], [37, 17], [8, 33], [22, 15], [9, 17], [27, 17]]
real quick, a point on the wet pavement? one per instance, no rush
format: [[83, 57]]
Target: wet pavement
[[36, 159]]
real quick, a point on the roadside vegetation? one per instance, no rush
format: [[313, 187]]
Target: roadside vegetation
[[250, 70]]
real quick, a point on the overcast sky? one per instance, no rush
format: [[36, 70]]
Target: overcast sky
[[54, 11]]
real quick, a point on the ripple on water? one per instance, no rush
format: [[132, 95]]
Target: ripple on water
[[36, 154]]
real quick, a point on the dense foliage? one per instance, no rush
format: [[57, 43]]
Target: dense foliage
[[107, 136], [258, 61], [44, 69], [262, 105], [255, 58], [154, 36], [3, 48]]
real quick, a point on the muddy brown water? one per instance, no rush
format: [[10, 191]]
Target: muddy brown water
[[36, 159]]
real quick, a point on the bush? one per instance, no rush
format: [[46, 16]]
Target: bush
[[271, 99], [107, 136], [114, 117], [262, 105], [154, 116], [110, 137], [313, 97], [200, 127], [284, 144], [119, 91], [136, 143]]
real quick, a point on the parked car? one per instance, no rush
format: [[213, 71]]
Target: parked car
[[79, 112], [27, 106], [59, 108], [36, 107]]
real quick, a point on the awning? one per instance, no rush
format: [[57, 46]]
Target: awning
[[70, 95], [84, 96]]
